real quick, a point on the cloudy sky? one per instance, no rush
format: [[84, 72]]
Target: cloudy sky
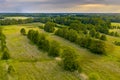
[[53, 6]]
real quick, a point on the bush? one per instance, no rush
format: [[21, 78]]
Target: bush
[[5, 55], [70, 62], [54, 50], [11, 69], [23, 32], [97, 47]]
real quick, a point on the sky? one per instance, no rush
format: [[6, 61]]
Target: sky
[[59, 6]]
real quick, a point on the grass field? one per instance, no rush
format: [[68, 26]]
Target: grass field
[[29, 62], [104, 66], [16, 17], [115, 24], [33, 64], [115, 30]]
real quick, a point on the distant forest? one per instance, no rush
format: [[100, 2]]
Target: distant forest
[[113, 17]]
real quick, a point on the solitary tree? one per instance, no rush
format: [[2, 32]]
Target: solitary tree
[[70, 62], [49, 27], [98, 47], [54, 49]]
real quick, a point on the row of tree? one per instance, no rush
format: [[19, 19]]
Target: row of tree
[[4, 49], [75, 29], [69, 58], [85, 27], [94, 45]]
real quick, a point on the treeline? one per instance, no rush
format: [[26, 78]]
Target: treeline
[[54, 49], [98, 24], [15, 21], [94, 45], [88, 39], [4, 49]]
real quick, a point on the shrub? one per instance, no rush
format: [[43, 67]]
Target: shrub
[[54, 49], [5, 55], [70, 62], [97, 47], [11, 69]]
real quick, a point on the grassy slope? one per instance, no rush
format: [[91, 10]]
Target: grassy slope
[[29, 62], [115, 30], [107, 67]]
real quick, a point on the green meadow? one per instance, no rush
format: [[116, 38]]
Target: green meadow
[[30, 63]]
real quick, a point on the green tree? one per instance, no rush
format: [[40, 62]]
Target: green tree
[[5, 55], [70, 62], [72, 35], [49, 27], [54, 49], [92, 33], [103, 37], [97, 47]]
